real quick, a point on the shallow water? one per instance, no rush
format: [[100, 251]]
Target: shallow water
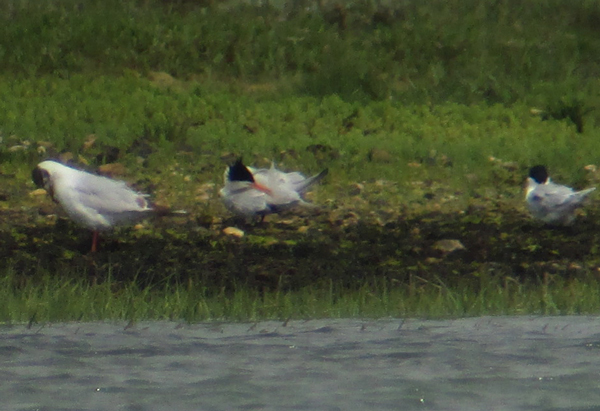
[[509, 363]]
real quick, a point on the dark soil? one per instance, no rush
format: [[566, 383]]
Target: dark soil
[[293, 252]]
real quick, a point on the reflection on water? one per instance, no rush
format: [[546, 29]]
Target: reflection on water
[[516, 363]]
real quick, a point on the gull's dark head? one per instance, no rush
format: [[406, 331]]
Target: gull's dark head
[[539, 174], [239, 172], [41, 177], [44, 174]]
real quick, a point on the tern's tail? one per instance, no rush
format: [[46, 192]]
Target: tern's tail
[[584, 193], [311, 180], [162, 211]]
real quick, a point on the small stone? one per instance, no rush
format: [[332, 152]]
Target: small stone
[[47, 210], [18, 147], [65, 157], [161, 79], [45, 144], [356, 189], [233, 231], [89, 142], [448, 246], [536, 111], [112, 169], [38, 192], [204, 197]]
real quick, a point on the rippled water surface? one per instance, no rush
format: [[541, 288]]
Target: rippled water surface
[[488, 363]]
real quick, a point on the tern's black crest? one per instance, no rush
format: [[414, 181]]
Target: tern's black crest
[[539, 174], [39, 177], [239, 172]]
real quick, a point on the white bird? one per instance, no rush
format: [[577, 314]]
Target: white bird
[[550, 202], [254, 192], [96, 202]]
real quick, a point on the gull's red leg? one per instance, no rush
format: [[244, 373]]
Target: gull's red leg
[[95, 241]]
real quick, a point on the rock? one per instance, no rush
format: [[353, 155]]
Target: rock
[[38, 192], [65, 157], [47, 210], [356, 189], [162, 79], [89, 142], [448, 246], [233, 231], [112, 169], [18, 147]]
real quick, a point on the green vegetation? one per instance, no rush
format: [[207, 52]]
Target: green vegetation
[[427, 114], [53, 299]]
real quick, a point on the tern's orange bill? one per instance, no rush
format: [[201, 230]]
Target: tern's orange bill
[[262, 188]]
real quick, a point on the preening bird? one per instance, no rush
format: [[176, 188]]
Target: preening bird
[[252, 192], [550, 202], [96, 202]]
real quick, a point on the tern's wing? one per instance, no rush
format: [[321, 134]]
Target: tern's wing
[[553, 196], [277, 179], [107, 196], [243, 200], [301, 184]]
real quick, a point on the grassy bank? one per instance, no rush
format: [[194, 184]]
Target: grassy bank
[[48, 298], [463, 51], [427, 116]]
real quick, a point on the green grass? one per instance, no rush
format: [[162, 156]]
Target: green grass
[[209, 121], [50, 298], [465, 51], [427, 115]]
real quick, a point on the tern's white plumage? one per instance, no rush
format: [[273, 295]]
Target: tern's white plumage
[[93, 201], [550, 202], [256, 192]]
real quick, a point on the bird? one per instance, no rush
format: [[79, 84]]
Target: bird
[[96, 202], [549, 202], [252, 192]]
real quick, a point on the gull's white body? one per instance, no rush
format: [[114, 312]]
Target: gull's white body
[[284, 190], [553, 203], [95, 202]]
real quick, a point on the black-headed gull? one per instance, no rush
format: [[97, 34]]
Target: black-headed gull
[[550, 202], [96, 202], [254, 192]]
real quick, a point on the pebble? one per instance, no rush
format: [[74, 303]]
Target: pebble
[[233, 231]]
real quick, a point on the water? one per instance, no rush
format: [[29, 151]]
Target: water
[[487, 363]]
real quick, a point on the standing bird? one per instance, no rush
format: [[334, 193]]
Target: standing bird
[[96, 202], [252, 192], [549, 202]]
